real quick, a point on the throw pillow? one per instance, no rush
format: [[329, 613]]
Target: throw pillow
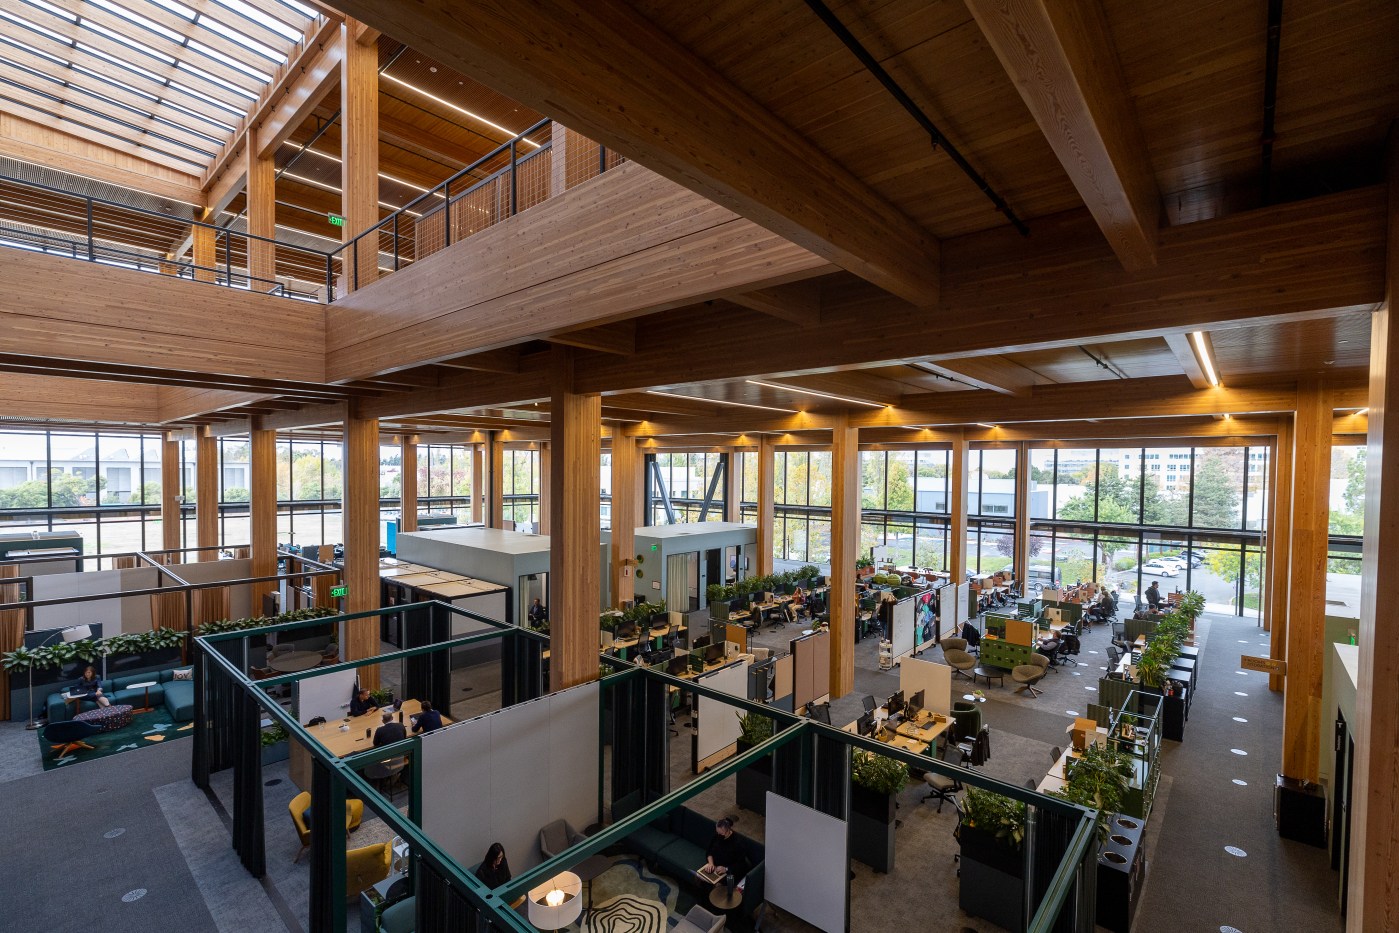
[[186, 674]]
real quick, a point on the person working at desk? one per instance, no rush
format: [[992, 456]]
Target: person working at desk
[[390, 731], [89, 687], [538, 615], [427, 720], [725, 854], [1153, 595], [360, 703]]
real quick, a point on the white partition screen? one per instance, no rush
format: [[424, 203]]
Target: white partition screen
[[932, 677], [503, 776], [806, 867], [718, 725], [327, 695]]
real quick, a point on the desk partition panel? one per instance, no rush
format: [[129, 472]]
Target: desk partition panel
[[806, 868], [903, 627], [932, 677], [719, 727]]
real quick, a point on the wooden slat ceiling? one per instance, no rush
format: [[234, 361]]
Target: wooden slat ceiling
[[163, 78]]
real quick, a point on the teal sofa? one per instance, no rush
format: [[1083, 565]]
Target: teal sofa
[[176, 695], [675, 844]]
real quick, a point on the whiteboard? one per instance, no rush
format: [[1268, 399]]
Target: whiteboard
[[964, 596], [903, 627], [806, 867], [327, 695], [719, 726], [948, 617]]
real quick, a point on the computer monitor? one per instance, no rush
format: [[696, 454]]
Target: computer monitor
[[821, 713], [736, 605], [914, 706], [626, 630], [714, 653], [917, 700], [677, 666], [820, 581], [701, 642], [865, 725], [870, 704], [896, 703]]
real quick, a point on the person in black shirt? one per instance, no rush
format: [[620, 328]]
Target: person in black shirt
[[390, 731], [90, 687], [360, 703], [1153, 595], [494, 869], [726, 854], [538, 615], [427, 720]]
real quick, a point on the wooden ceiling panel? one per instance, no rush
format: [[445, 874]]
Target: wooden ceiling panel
[[1246, 355], [1139, 359]]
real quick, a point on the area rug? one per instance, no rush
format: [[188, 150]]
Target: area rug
[[145, 729], [629, 899]]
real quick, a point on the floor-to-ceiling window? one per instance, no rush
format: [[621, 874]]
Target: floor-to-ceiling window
[[444, 479], [1187, 517], [1347, 527], [520, 486], [693, 483]]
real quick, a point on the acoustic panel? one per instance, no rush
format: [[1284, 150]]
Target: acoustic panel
[[806, 867], [456, 766], [932, 677], [718, 723]]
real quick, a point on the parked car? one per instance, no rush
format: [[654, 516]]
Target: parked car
[[1161, 567], [1196, 558]]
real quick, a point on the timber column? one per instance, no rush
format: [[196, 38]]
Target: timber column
[[262, 508], [957, 507], [626, 511], [767, 462], [845, 542], [408, 483], [206, 493], [360, 504], [575, 541]]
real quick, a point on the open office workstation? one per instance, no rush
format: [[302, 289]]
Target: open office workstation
[[807, 466]]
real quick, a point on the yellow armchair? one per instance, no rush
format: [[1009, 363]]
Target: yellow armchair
[[367, 866], [354, 812]]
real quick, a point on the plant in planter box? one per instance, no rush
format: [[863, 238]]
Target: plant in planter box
[[877, 773], [1191, 604], [996, 814], [755, 729], [1099, 780], [862, 562], [753, 782], [807, 573], [272, 736], [22, 660], [714, 593]]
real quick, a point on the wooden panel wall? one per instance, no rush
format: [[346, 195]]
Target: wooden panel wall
[[1306, 612], [845, 543], [361, 517], [23, 395], [575, 539], [11, 630], [262, 217]]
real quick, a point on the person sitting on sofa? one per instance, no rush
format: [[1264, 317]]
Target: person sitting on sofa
[[725, 854], [89, 687], [494, 869], [427, 720], [390, 731]]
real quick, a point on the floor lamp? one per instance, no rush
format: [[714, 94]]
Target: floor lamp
[[78, 633], [557, 902]]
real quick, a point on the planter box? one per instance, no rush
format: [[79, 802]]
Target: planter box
[[280, 751], [871, 828], [992, 880], [752, 783]]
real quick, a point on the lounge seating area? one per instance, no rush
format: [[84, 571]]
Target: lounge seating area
[[675, 844], [176, 695]]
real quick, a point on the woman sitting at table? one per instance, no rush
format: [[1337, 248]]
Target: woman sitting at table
[[89, 688]]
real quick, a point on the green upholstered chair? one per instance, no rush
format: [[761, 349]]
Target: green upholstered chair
[[966, 718]]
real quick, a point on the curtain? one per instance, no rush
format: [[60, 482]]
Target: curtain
[[441, 907], [11, 629], [521, 668], [216, 712], [211, 605], [247, 784]]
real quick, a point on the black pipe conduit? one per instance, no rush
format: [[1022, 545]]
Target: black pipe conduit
[[892, 86], [1270, 97]]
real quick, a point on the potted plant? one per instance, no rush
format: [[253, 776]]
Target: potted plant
[[875, 780], [753, 782], [381, 697], [864, 567], [275, 746], [993, 866], [1099, 779]]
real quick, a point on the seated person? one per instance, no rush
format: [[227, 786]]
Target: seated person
[[538, 615], [494, 869], [390, 731], [89, 687], [798, 597], [427, 720], [725, 854], [1049, 647], [360, 703]]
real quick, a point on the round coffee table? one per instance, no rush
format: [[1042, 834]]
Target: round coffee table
[[722, 899], [973, 698], [294, 661], [107, 718], [982, 670]]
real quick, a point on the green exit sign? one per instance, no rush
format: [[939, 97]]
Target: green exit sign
[[655, 547], [335, 220], [339, 592]]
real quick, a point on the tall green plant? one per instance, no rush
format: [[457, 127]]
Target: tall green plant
[[1099, 780], [994, 813], [878, 773]]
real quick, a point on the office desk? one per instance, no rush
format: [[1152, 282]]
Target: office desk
[[341, 744], [294, 661], [912, 737], [1054, 780]]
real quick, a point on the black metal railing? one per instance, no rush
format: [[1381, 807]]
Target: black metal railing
[[512, 177], [101, 231]]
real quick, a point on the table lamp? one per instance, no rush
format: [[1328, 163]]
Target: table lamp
[[557, 902]]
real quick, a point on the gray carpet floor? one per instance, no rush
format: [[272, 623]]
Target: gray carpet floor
[[175, 842]]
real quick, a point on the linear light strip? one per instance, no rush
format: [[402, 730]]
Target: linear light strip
[[801, 391], [447, 103], [1202, 351], [721, 401]]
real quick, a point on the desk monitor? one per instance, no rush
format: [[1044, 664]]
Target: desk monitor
[[736, 606], [821, 714], [820, 581], [865, 725], [714, 653], [869, 703], [917, 700], [626, 630], [701, 642], [914, 706], [896, 703], [678, 666]]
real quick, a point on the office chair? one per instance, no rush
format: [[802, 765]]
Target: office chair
[[1114, 656], [1069, 647], [940, 785], [870, 703], [1054, 754]]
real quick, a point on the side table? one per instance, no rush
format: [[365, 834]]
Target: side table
[[146, 703]]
